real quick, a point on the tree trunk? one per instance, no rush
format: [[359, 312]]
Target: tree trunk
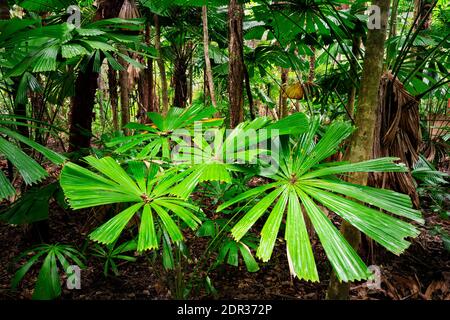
[[4, 10], [82, 110], [156, 95], [236, 66], [248, 89], [312, 65], [124, 94], [208, 69], [356, 43], [81, 113], [181, 82], [283, 98], [423, 12], [113, 97], [362, 141], [393, 20], [145, 84], [162, 68]]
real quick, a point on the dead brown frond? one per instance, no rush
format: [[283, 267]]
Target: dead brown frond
[[129, 10], [397, 134]]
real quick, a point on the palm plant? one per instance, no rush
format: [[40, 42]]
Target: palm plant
[[228, 249], [32, 206], [48, 284], [41, 47], [155, 140], [213, 159], [146, 191], [302, 183], [28, 168], [208, 161], [432, 184], [112, 254]]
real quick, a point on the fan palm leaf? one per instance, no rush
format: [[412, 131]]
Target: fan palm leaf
[[303, 187], [28, 168], [146, 192]]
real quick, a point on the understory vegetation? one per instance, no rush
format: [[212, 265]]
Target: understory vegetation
[[197, 145]]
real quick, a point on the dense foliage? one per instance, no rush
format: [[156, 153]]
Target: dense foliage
[[188, 122]]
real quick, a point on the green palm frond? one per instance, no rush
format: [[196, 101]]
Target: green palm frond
[[213, 159], [28, 168], [147, 192], [47, 44], [48, 283], [112, 254], [32, 206], [152, 140], [230, 251], [303, 186]]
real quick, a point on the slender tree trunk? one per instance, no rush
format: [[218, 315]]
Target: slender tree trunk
[[162, 68], [145, 84], [191, 83], [362, 141], [156, 95], [312, 65], [248, 89], [283, 112], [208, 69], [422, 10], [356, 43], [128, 10], [101, 87], [124, 94], [113, 97], [205, 86], [236, 66], [393, 20], [151, 86]]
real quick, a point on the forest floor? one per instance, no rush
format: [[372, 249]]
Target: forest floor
[[422, 272]]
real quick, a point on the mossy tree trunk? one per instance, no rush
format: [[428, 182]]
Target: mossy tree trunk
[[362, 141]]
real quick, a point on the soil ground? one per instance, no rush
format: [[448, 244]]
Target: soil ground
[[422, 272]]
